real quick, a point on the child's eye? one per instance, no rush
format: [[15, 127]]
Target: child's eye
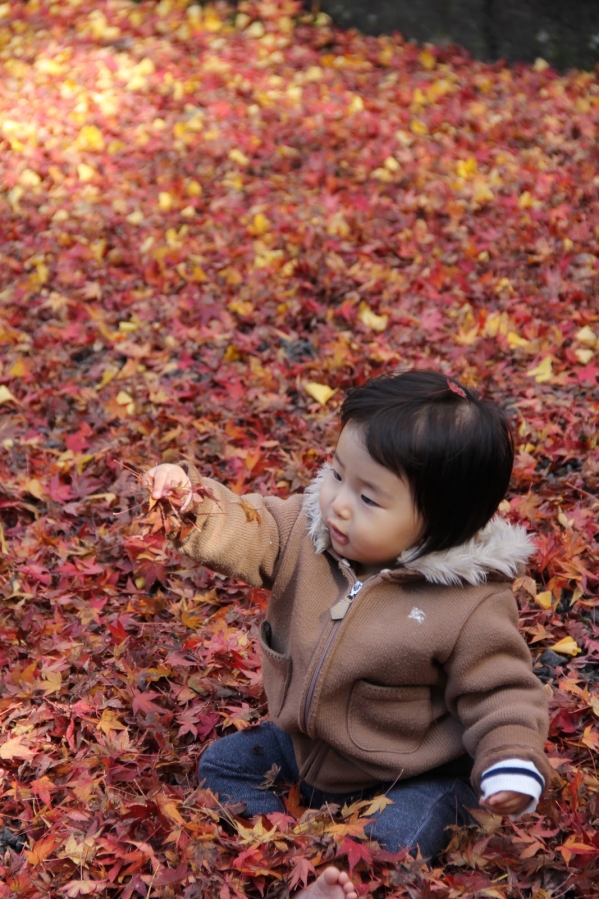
[[336, 474], [368, 501]]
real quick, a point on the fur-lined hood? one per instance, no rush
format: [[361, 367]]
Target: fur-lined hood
[[498, 548]]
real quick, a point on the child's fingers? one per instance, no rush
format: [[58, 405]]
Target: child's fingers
[[506, 802], [164, 478], [147, 479]]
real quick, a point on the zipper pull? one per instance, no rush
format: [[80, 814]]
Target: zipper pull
[[339, 610]]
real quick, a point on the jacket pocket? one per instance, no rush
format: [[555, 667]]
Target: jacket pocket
[[276, 670], [388, 719]]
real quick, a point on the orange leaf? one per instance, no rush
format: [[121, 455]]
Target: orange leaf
[[14, 748], [251, 514], [41, 849]]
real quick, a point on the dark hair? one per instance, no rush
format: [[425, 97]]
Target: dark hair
[[454, 450]]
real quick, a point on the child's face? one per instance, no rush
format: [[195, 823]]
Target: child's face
[[368, 510]]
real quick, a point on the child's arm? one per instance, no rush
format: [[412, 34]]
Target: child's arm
[[511, 787], [502, 706], [239, 536]]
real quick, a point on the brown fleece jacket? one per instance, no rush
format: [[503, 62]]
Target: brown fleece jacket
[[422, 667]]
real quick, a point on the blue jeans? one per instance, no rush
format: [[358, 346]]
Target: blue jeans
[[423, 807]]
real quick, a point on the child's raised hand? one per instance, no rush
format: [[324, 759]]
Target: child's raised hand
[[506, 802], [166, 477]]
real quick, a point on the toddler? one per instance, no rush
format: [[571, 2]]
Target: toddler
[[392, 660]]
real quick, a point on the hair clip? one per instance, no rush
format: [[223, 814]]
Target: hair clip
[[455, 388]]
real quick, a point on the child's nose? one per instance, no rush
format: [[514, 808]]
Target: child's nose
[[340, 505]]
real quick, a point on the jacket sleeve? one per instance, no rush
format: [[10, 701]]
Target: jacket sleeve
[[238, 536], [493, 691]]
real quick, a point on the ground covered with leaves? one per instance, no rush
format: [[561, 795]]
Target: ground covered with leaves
[[213, 221]]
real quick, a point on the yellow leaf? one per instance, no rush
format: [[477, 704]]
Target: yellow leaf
[[497, 323], [356, 104], [385, 57], [319, 392], [90, 138], [42, 272], [52, 682], [79, 852], [482, 194], [544, 599], [525, 200], [584, 355], [564, 520], [109, 722], [567, 647], [213, 23], [466, 168], [108, 376], [29, 178], [586, 336], [128, 327], [237, 156], [260, 225], [504, 284], [50, 66], [232, 354], [466, 338], [427, 60], [34, 487], [417, 126], [165, 201], [382, 175], [514, 340], [371, 319], [378, 804], [107, 497], [314, 73], [241, 307], [19, 369], [542, 372], [85, 172], [123, 399], [525, 583], [6, 396]]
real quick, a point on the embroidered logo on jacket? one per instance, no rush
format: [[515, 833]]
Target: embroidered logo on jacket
[[417, 614]]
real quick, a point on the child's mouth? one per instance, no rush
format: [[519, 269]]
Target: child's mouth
[[337, 536]]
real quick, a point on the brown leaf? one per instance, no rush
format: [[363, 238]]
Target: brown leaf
[[250, 512]]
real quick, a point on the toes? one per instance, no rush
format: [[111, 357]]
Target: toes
[[331, 875]]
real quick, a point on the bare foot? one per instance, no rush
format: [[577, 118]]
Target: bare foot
[[331, 884]]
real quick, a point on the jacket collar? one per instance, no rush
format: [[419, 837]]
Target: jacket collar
[[498, 548]]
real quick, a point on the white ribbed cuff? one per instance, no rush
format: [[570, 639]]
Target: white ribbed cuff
[[514, 775]]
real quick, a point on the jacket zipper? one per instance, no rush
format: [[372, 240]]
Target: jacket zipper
[[338, 613]]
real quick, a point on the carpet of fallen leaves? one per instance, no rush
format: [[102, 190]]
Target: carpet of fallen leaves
[[214, 220]]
